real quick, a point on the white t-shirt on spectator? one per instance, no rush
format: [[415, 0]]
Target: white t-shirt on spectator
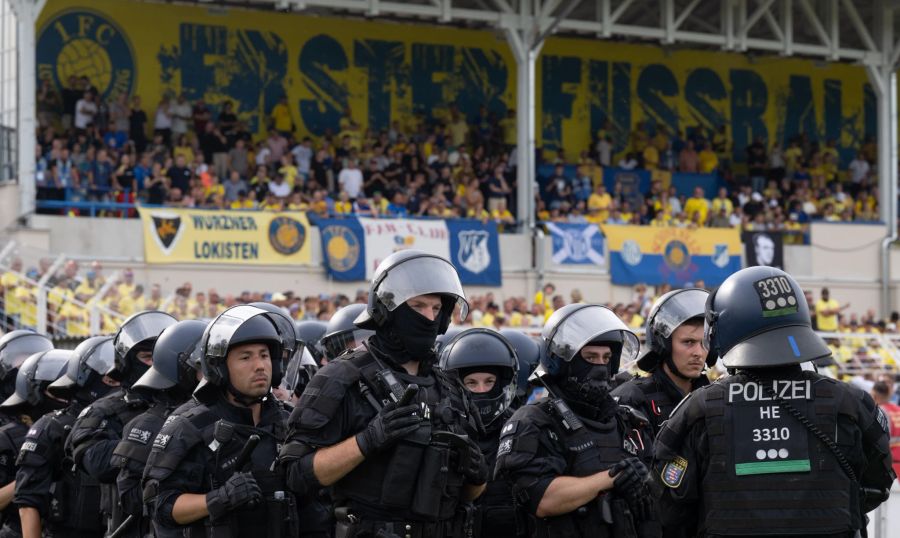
[[302, 156], [262, 157], [859, 170], [604, 152], [82, 120], [351, 180], [181, 113], [281, 190], [162, 120]]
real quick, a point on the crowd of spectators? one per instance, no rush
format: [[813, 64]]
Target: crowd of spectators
[[183, 153]]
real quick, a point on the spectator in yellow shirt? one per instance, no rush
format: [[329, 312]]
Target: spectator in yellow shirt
[[722, 201], [343, 206], [827, 310], [709, 162], [245, 201], [544, 296], [502, 216], [281, 117], [599, 204], [697, 205], [651, 157], [126, 287], [288, 169]]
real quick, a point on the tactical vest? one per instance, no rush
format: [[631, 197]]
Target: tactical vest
[[591, 447], [496, 514], [418, 479], [765, 471], [14, 435], [659, 403], [257, 521]]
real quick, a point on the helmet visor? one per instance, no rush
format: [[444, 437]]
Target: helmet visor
[[52, 365], [340, 342], [101, 359], [219, 333], [679, 308], [302, 363], [287, 332], [429, 275], [17, 350], [591, 324], [143, 327]]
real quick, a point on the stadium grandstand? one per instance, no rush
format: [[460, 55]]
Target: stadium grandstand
[[195, 155]]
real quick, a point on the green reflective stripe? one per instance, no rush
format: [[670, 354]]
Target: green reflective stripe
[[771, 467]]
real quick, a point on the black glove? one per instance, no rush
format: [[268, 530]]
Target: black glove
[[630, 477], [390, 425], [239, 490], [475, 468]]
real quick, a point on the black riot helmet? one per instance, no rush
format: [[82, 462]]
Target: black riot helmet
[[309, 332], [576, 325], [484, 350], [341, 334], [242, 324], [442, 339], [138, 333], [33, 378], [90, 361], [758, 318], [669, 312], [410, 273], [299, 372], [15, 347], [175, 365], [529, 353], [285, 327]]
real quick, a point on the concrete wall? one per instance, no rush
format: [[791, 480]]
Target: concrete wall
[[845, 258], [9, 204]]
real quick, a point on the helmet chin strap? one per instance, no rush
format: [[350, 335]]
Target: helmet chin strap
[[242, 398], [674, 369]]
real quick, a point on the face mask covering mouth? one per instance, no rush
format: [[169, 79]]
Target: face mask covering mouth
[[590, 382], [410, 336]]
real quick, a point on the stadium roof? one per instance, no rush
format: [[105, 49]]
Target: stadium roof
[[833, 30]]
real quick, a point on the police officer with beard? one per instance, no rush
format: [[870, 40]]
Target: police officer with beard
[[170, 381], [15, 347], [385, 429], [209, 472], [577, 460], [772, 449], [674, 355], [27, 404], [487, 365], [52, 494], [99, 427]]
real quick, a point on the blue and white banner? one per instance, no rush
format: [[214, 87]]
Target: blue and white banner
[[576, 244], [353, 247]]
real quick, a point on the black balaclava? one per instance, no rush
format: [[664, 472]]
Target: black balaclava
[[488, 403], [407, 336], [587, 388], [8, 384], [45, 406], [136, 368], [94, 389]]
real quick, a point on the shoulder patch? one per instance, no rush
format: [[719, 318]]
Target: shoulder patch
[[883, 420], [505, 447], [139, 436], [673, 473], [509, 428], [28, 446], [161, 441]]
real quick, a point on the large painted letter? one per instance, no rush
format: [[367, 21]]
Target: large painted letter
[[556, 103], [707, 100], [655, 83], [749, 98], [320, 57], [800, 116], [384, 61], [431, 66]]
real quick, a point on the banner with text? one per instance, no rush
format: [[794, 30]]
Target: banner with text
[[203, 236], [353, 247], [676, 256]]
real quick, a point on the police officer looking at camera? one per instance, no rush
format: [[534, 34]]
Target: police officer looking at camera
[[487, 365], [674, 355], [386, 430], [27, 404], [577, 460], [99, 426], [52, 494], [170, 381], [772, 449], [209, 472]]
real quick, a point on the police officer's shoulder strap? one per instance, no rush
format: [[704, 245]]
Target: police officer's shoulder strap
[[561, 414], [202, 419]]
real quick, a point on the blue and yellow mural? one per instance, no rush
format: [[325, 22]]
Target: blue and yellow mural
[[386, 72]]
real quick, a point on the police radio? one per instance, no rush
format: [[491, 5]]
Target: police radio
[[570, 420], [389, 381]]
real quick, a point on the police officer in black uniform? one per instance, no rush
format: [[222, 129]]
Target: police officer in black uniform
[[27, 404], [487, 365], [673, 354], [577, 460], [209, 472], [771, 450], [99, 427], [15, 347], [341, 335], [310, 332], [51, 493], [170, 381], [398, 457], [529, 354]]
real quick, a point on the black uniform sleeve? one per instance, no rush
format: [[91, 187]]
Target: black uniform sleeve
[[129, 458], [176, 465], [529, 455], [678, 459], [324, 416], [41, 453], [93, 439], [878, 474], [8, 453]]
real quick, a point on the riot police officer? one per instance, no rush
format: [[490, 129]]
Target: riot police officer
[[170, 381], [771, 449], [529, 354], [384, 428], [99, 427], [577, 460], [27, 404], [15, 347], [673, 354], [51, 492], [309, 332], [209, 470], [487, 365], [341, 334]]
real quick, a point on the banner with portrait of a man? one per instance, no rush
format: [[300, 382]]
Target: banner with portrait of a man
[[764, 248]]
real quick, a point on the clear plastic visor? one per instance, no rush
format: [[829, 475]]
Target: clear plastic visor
[[218, 334], [17, 350], [679, 308], [143, 327], [588, 324], [428, 275]]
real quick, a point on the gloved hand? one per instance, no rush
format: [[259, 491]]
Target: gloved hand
[[630, 478], [237, 491], [475, 468], [390, 425]]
